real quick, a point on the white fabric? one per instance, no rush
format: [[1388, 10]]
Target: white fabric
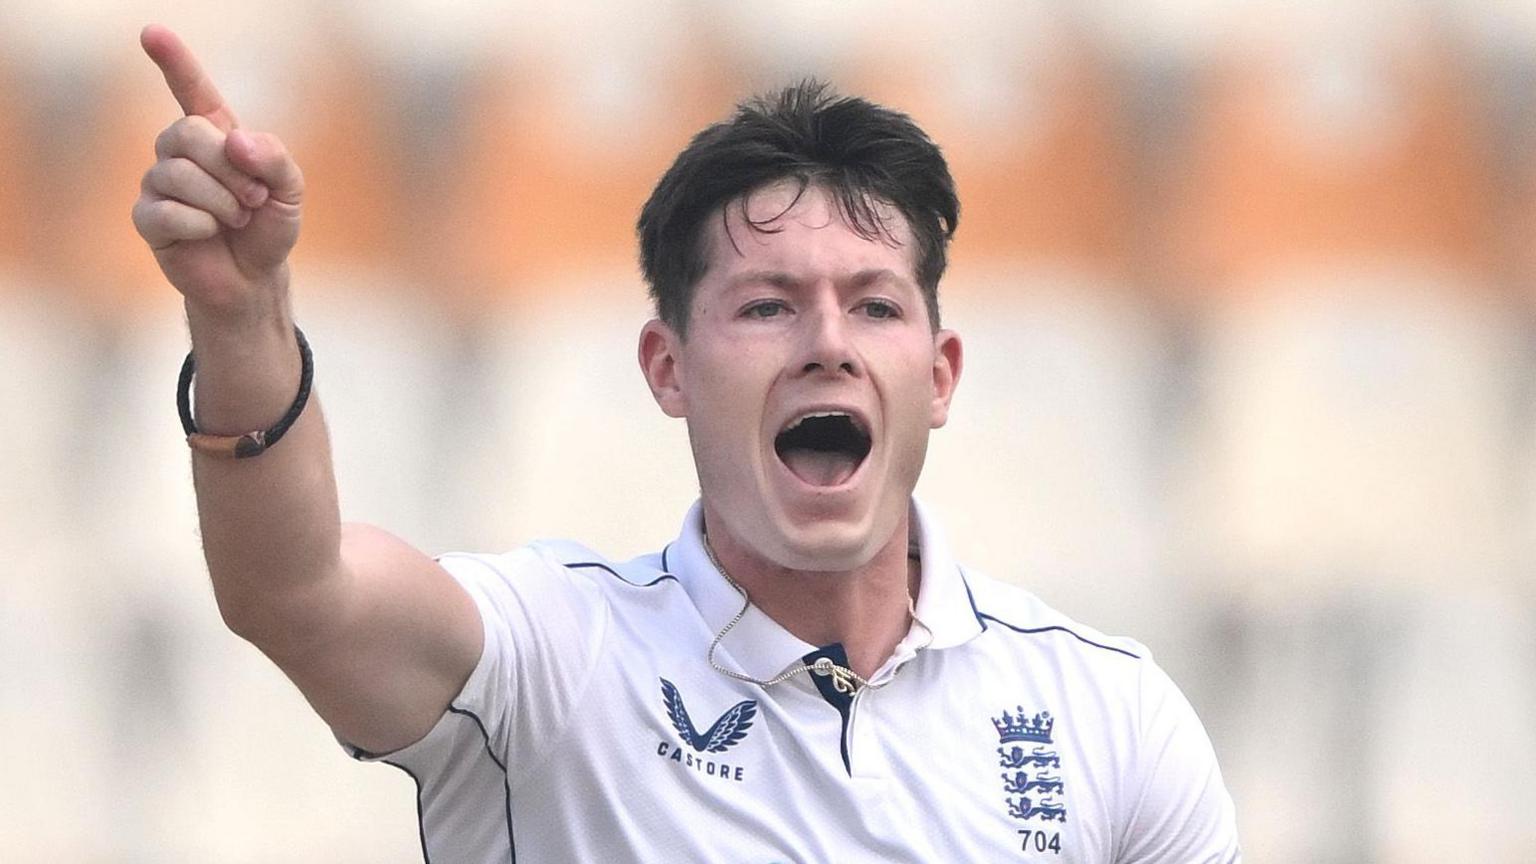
[[568, 741]]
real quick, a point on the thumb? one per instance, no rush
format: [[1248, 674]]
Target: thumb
[[264, 156]]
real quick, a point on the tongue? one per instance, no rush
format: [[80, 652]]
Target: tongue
[[820, 467]]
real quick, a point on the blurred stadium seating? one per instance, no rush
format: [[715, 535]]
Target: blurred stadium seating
[[1249, 308]]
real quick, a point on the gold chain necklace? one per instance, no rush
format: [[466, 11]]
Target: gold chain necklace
[[844, 680]]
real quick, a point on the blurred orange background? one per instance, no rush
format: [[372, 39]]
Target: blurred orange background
[[1247, 293]]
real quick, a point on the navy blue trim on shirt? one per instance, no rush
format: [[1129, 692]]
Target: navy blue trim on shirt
[[971, 598], [617, 575], [843, 702], [982, 618], [421, 822], [597, 564], [464, 712], [506, 780], [1033, 630]]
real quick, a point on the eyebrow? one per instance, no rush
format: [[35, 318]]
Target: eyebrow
[[776, 278], [783, 279]]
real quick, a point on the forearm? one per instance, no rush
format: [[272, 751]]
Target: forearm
[[270, 524]]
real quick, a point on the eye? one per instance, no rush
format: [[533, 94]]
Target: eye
[[881, 309], [763, 309]]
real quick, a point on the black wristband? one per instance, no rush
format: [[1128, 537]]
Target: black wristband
[[251, 443]]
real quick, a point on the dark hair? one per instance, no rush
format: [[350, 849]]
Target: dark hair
[[861, 153]]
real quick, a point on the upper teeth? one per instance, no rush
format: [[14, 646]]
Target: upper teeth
[[814, 414]]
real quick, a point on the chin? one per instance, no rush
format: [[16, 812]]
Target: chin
[[826, 551], [827, 543]]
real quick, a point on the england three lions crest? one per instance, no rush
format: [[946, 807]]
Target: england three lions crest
[[1031, 776]]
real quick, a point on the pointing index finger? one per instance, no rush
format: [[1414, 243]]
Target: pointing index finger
[[191, 86]]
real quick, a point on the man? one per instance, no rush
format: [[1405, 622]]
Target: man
[[804, 674]]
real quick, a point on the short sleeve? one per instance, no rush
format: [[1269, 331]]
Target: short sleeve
[[543, 626], [1181, 810]]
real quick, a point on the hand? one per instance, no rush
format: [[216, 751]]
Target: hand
[[220, 207]]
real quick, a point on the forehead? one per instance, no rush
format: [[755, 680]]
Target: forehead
[[803, 231]]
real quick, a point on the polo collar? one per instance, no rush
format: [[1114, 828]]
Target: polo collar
[[943, 600], [757, 646]]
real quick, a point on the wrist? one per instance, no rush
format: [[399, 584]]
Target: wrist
[[254, 441], [247, 371], [261, 304]]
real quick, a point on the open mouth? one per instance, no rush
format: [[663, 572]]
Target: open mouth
[[823, 448]]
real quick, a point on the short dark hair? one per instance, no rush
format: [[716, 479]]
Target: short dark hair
[[861, 153]]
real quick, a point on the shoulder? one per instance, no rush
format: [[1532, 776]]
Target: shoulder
[[1142, 740], [555, 565], [1017, 617], [643, 572], [553, 604]]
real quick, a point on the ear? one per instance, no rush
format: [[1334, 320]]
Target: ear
[[660, 355], [948, 357]]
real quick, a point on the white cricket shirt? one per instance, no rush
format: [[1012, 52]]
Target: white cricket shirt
[[593, 729]]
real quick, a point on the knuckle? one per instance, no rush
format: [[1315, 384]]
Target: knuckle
[[165, 142], [187, 135], [140, 214], [164, 175], [153, 222]]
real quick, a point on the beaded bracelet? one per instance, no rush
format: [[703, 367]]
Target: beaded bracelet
[[251, 443]]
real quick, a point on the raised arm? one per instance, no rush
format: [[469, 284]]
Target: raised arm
[[377, 636]]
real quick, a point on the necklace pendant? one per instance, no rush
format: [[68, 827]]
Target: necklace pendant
[[842, 679]]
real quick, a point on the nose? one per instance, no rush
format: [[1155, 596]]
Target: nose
[[827, 343]]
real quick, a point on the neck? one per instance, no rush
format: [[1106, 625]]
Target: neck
[[867, 609]]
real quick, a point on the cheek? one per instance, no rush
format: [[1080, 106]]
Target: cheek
[[910, 382], [909, 402], [726, 398]]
